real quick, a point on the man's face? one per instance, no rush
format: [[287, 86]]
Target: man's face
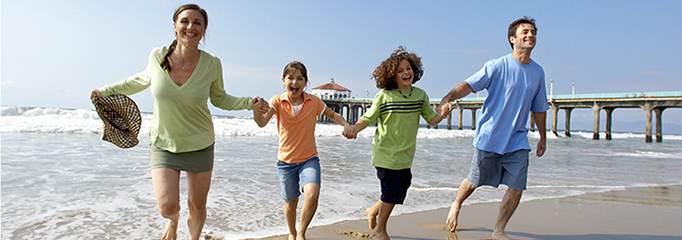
[[525, 37]]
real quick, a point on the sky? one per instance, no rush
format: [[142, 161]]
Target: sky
[[54, 52]]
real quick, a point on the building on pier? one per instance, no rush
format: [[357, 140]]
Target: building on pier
[[331, 90]]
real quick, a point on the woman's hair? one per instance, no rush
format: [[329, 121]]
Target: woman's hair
[[292, 67], [165, 63], [384, 74]]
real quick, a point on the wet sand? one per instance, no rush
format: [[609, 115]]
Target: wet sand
[[634, 213]]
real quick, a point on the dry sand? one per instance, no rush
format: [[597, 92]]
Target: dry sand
[[634, 213]]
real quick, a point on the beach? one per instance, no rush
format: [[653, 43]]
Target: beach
[[633, 213], [61, 181]]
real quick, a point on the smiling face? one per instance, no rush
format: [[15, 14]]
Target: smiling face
[[190, 27], [404, 75], [524, 37], [294, 83]]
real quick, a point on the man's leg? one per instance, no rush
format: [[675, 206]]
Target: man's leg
[[464, 191], [507, 207]]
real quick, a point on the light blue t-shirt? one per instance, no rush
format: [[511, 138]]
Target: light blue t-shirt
[[514, 90]]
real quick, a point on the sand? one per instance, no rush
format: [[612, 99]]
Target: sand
[[633, 213]]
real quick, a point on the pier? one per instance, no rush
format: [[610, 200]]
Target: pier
[[655, 102]]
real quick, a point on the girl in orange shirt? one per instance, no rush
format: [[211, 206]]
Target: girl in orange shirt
[[298, 164]]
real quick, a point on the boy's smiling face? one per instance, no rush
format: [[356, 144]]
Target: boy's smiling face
[[404, 75], [294, 84]]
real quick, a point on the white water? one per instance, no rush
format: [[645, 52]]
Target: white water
[[61, 181]]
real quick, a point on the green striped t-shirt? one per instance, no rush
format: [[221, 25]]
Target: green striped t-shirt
[[397, 120]]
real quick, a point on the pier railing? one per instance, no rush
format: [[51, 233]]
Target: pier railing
[[648, 101]]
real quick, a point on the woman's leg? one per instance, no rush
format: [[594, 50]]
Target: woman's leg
[[166, 184], [198, 185]]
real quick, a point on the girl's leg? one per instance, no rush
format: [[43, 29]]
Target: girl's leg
[[312, 195], [198, 185], [290, 217], [166, 184]]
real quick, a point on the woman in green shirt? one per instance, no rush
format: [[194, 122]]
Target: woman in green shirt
[[182, 78]]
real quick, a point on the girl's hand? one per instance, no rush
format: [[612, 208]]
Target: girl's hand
[[350, 133]]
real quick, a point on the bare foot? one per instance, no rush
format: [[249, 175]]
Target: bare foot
[[171, 231], [291, 237], [381, 234], [302, 237], [499, 236], [372, 216], [451, 223]]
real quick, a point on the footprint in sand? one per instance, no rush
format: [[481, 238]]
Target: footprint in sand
[[355, 234]]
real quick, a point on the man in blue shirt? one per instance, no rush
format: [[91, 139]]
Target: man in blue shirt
[[516, 86]]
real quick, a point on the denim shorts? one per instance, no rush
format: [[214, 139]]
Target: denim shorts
[[492, 169], [394, 184], [290, 175]]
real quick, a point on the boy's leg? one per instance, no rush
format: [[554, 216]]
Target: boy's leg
[[385, 210], [372, 213], [290, 217], [464, 191], [312, 195]]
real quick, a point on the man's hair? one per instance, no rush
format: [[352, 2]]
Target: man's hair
[[515, 25]]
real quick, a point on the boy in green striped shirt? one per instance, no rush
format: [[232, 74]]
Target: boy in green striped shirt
[[395, 110]]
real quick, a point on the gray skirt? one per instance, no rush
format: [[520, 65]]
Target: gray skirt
[[197, 161]]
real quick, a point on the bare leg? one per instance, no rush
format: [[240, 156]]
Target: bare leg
[[507, 207], [385, 210], [464, 191], [312, 195], [198, 184], [166, 184], [290, 217], [372, 213]]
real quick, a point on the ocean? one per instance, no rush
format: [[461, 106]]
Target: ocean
[[61, 181]]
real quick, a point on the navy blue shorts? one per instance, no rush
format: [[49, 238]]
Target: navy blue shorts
[[394, 184]]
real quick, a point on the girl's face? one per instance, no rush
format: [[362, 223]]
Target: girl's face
[[189, 27], [404, 75], [294, 84]]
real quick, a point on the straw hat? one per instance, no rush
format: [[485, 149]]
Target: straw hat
[[121, 119]]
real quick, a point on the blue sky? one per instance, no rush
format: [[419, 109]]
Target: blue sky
[[55, 52]]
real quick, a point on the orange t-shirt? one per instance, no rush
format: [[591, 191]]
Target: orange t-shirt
[[296, 132]]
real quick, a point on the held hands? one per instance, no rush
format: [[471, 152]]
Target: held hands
[[260, 106], [349, 132], [444, 109]]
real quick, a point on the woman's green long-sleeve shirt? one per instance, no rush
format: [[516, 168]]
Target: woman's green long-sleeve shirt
[[182, 121]]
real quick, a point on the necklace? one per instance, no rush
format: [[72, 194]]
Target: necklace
[[408, 95]]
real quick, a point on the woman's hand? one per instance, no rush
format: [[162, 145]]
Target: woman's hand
[[95, 94]]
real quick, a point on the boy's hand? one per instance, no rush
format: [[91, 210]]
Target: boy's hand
[[444, 109], [350, 133]]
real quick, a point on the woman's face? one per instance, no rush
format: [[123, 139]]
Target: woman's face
[[190, 27]]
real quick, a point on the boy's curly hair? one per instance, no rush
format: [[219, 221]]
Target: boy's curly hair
[[384, 74]]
